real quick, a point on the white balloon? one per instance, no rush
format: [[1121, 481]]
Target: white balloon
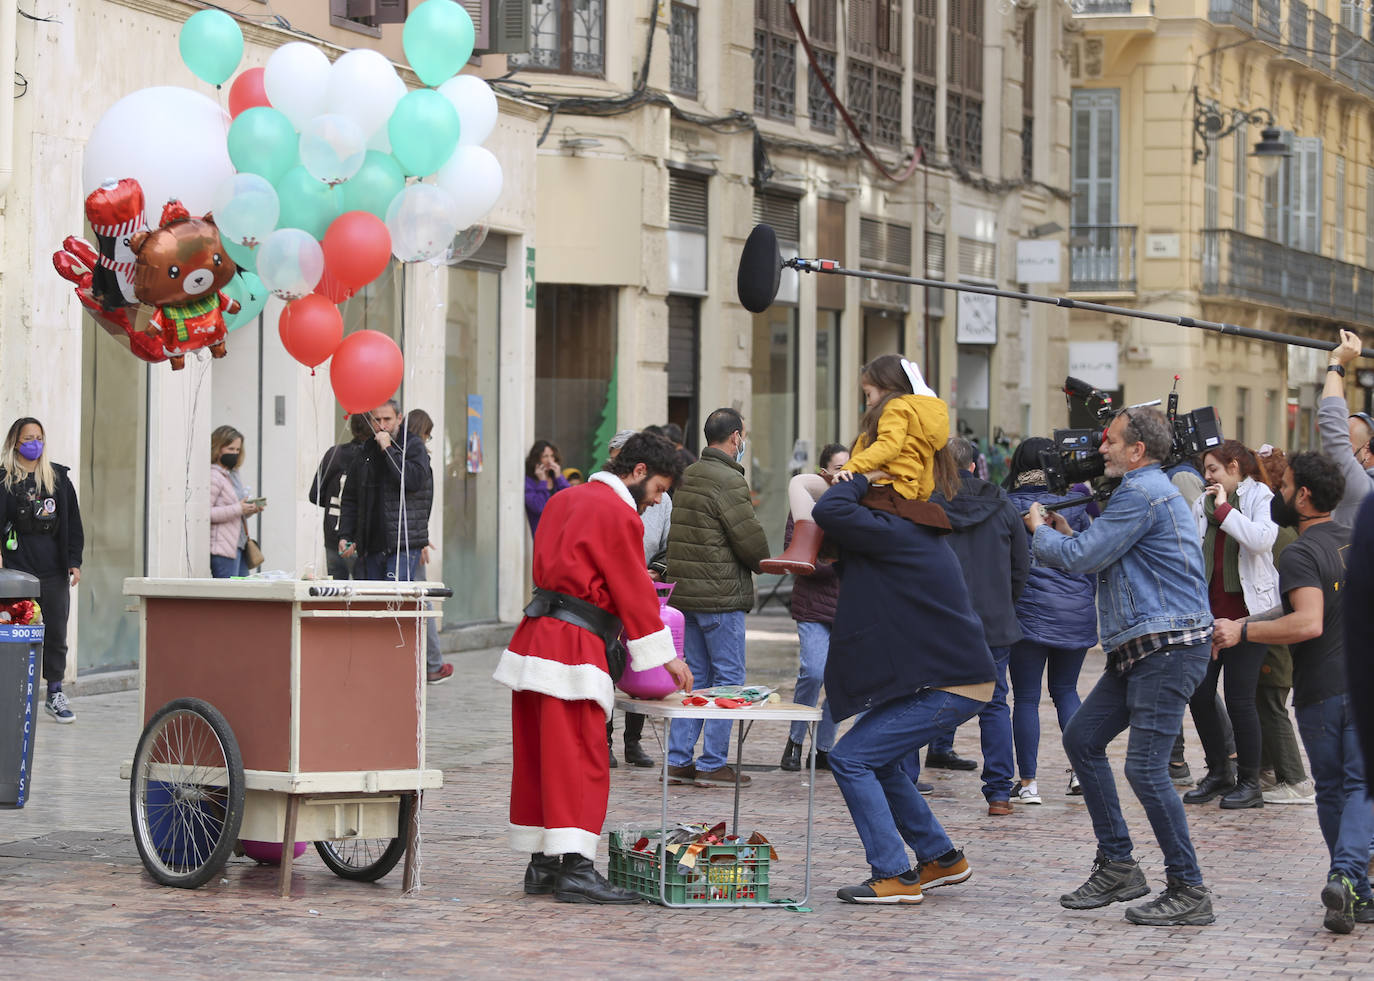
[[296, 81], [364, 85], [290, 263], [476, 105], [332, 148], [472, 177], [246, 209], [420, 220], [133, 137]]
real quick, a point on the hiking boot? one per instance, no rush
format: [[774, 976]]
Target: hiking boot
[[1180, 774], [1109, 882], [949, 761], [724, 777], [678, 775], [791, 757], [1178, 905], [580, 882], [1217, 782], [59, 708], [904, 888], [948, 869], [541, 875], [1338, 896]]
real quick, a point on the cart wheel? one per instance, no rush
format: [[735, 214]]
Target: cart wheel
[[186, 793], [368, 859]]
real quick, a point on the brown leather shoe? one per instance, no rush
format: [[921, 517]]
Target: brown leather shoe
[[999, 808], [724, 777], [678, 775]]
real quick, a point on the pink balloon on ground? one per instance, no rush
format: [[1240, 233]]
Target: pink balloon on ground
[[269, 852]]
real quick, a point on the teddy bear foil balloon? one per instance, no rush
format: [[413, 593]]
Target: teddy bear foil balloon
[[180, 268]]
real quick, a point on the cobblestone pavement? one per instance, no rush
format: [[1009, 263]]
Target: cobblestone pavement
[[74, 900]]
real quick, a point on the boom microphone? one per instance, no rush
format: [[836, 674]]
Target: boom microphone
[[760, 270]]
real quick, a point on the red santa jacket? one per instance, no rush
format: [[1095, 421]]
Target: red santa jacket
[[590, 544]]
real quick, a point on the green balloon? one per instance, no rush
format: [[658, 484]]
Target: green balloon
[[211, 45], [438, 38], [252, 297], [306, 203], [262, 141], [374, 186], [245, 257], [424, 131]]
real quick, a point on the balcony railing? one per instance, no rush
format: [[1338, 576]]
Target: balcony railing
[[1240, 13], [1256, 269], [1297, 29], [1105, 6], [1102, 258], [1268, 20], [1321, 41]]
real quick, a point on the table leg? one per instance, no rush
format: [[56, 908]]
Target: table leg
[[412, 833], [663, 820], [810, 816], [739, 769], [288, 843]]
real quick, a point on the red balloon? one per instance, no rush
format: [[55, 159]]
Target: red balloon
[[357, 248], [366, 370], [330, 287], [247, 91], [311, 329]]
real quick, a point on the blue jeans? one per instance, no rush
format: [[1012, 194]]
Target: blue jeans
[[226, 568], [994, 732], [888, 812], [392, 566], [815, 646], [1149, 700], [713, 645], [1028, 662], [1346, 817]]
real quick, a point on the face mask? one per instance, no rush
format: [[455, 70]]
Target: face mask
[[229, 460], [31, 450], [1283, 512], [739, 453]]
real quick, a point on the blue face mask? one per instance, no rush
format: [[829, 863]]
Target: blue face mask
[[739, 453], [32, 449]]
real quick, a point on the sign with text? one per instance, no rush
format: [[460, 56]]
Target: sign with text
[[977, 319], [1037, 261], [1095, 363]]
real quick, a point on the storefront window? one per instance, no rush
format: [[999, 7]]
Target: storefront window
[[574, 371], [827, 379], [771, 422]]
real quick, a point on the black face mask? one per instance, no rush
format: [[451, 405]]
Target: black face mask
[[1284, 513], [229, 460]]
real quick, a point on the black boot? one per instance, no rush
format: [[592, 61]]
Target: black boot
[[1218, 781], [610, 744], [542, 874], [791, 757], [1246, 793], [635, 755], [822, 760], [580, 882]]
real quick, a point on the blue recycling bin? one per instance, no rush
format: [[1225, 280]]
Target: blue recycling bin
[[21, 647]]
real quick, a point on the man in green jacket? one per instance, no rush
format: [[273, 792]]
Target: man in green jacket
[[715, 544]]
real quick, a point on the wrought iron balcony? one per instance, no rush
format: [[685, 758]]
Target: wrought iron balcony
[[1102, 258], [1090, 7], [1255, 269], [1238, 13]]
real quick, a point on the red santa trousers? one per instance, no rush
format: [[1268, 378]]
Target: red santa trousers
[[561, 779]]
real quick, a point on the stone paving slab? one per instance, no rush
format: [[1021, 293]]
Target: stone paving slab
[[73, 898]]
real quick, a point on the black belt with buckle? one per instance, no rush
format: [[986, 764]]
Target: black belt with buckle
[[588, 616]]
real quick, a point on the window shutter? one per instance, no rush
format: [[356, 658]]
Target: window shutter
[[1240, 179], [687, 200], [358, 9], [1338, 216], [899, 245], [1305, 196], [481, 24], [780, 211], [977, 260], [830, 245], [505, 26], [390, 12], [1095, 115], [870, 240]]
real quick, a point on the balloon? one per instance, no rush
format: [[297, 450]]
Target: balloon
[[244, 256], [306, 203], [366, 370], [251, 295], [329, 287], [365, 86], [465, 244], [420, 221], [132, 140], [333, 148], [438, 37], [247, 91], [310, 328], [269, 852], [357, 248], [246, 209], [261, 141], [290, 263], [211, 45], [375, 185], [423, 131], [472, 177], [476, 105], [296, 80]]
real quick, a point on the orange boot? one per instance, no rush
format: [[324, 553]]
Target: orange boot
[[800, 557]]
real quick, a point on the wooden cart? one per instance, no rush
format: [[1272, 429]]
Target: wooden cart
[[280, 711]]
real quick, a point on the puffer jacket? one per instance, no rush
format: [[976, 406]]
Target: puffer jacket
[[1056, 609], [371, 513], [989, 540], [715, 542], [814, 596]]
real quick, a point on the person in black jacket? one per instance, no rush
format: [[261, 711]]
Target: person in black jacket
[[1359, 666], [384, 512], [326, 490], [42, 536]]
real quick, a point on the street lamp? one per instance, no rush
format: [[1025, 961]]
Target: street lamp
[[1212, 122]]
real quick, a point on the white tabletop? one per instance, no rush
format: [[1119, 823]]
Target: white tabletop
[[279, 590], [672, 708]]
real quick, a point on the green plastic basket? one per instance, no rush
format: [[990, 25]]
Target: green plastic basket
[[733, 873]]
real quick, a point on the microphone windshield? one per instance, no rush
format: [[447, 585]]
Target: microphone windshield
[[760, 270]]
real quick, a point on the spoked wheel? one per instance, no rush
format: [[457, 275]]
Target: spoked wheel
[[368, 859], [186, 793]]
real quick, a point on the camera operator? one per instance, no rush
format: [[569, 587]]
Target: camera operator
[[1156, 628]]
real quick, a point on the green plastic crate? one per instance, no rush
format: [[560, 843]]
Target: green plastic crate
[[733, 873]]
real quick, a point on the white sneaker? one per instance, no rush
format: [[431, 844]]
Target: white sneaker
[[1027, 793], [1292, 793], [1075, 788], [57, 706]]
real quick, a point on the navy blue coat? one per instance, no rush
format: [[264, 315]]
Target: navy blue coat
[[1056, 609], [903, 621]]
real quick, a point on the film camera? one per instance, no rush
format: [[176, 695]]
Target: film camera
[[1076, 457]]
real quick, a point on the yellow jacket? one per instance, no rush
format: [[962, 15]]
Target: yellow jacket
[[910, 431]]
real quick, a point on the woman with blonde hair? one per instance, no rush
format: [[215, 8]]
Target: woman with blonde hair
[[230, 506], [42, 536]]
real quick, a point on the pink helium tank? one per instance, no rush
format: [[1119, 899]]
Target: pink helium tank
[[657, 682]]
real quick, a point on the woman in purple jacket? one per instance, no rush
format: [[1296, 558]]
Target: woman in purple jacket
[[543, 478], [813, 607]]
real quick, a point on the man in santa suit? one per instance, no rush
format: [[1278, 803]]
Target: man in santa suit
[[590, 582]]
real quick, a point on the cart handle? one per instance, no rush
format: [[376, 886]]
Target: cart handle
[[401, 592]]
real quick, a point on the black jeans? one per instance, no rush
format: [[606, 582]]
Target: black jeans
[[1242, 664], [1279, 745], [55, 596]]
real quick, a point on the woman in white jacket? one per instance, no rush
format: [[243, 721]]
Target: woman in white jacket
[[1237, 535]]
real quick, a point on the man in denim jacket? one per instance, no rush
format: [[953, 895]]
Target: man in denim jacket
[[1156, 627]]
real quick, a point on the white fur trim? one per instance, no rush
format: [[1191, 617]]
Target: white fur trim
[[568, 682], [617, 485], [653, 650], [554, 841], [918, 384]]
